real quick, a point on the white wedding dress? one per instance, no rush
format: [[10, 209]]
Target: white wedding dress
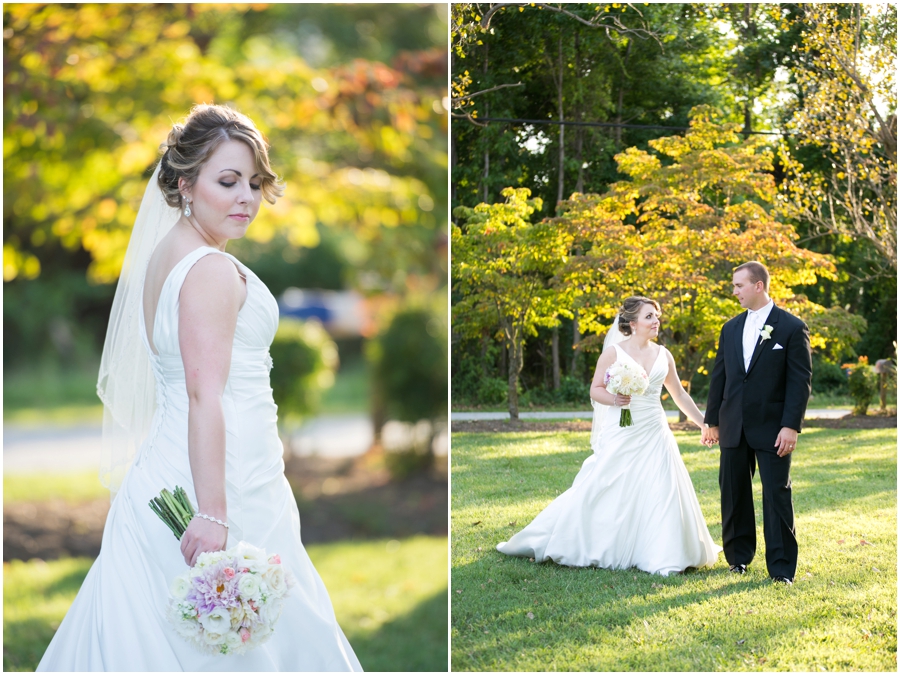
[[117, 621], [632, 503]]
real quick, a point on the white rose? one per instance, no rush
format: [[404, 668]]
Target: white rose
[[275, 578], [254, 559], [249, 586], [233, 640], [187, 628], [217, 621], [259, 632], [269, 612], [180, 587], [210, 558], [182, 617], [214, 638]]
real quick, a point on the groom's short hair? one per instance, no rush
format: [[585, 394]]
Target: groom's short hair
[[757, 272]]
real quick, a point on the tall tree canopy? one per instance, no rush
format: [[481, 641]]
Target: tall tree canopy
[[353, 100]]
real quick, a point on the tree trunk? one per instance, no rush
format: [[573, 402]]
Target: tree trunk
[[576, 339], [555, 356], [562, 127], [579, 115], [617, 131], [485, 345], [484, 176], [487, 153], [515, 367]]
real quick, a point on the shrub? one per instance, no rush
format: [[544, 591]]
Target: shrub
[[863, 385], [492, 391], [828, 378], [410, 361], [304, 361], [573, 390]]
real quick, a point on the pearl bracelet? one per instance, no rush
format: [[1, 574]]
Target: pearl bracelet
[[215, 520]]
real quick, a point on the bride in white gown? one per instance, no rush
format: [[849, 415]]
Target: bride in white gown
[[188, 341], [632, 504]]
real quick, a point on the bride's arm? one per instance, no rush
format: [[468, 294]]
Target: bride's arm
[[598, 388], [681, 398], [207, 316]]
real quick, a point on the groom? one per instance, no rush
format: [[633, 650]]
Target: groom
[[758, 392]]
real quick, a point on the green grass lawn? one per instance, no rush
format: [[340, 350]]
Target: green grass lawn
[[817, 401], [515, 615], [75, 487], [37, 397], [390, 598]]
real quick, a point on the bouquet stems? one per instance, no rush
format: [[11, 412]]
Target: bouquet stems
[[175, 510], [625, 419]]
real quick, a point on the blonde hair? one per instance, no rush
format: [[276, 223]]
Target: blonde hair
[[190, 145], [631, 309]]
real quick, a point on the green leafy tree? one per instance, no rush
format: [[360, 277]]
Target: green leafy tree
[[502, 268], [357, 128], [847, 112], [687, 214]]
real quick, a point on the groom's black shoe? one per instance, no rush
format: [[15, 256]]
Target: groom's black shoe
[[782, 580], [738, 569]]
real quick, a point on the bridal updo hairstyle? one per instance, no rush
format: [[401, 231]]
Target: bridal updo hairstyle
[[191, 144], [631, 309]]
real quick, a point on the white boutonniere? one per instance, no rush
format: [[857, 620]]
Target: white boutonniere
[[765, 333]]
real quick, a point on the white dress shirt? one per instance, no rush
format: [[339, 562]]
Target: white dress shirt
[[754, 323]]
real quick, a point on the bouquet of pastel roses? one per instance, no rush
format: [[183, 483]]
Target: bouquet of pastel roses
[[229, 601], [628, 379]]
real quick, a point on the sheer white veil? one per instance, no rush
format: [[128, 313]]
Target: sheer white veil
[[613, 335], [126, 384]]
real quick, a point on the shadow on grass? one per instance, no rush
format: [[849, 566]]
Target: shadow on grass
[[391, 649], [594, 619], [24, 643]]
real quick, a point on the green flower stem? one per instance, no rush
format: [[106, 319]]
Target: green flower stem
[[176, 511]]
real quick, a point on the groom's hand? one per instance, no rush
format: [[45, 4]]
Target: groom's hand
[[786, 442], [709, 436]]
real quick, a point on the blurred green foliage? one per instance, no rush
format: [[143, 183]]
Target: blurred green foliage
[[352, 99], [411, 364], [305, 359]]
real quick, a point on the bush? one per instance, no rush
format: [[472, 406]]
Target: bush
[[573, 390], [863, 385], [828, 378], [410, 360], [493, 391], [304, 362]]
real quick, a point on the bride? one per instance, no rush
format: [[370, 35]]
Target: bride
[[185, 385], [633, 503]]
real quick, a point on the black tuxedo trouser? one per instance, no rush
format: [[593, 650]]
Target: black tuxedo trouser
[[736, 469]]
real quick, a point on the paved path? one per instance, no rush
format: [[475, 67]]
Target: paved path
[[586, 414], [28, 449]]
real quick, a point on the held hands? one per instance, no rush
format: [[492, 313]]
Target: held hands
[[709, 436], [202, 536], [786, 442]]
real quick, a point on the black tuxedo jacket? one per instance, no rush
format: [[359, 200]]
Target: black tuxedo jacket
[[772, 393]]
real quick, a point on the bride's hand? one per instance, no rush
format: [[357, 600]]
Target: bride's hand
[[621, 400], [201, 536]]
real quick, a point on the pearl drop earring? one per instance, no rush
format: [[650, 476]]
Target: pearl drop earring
[[187, 209]]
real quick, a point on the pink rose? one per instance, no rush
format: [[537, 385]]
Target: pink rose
[[245, 634], [228, 572], [245, 570], [275, 560]]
